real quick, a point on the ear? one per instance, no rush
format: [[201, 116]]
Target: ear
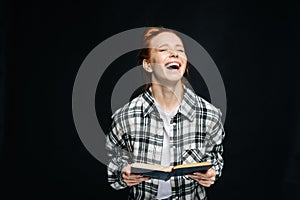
[[147, 65]]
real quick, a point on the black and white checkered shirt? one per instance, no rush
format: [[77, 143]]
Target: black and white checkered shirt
[[136, 135]]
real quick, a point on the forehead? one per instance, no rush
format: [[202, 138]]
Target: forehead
[[165, 38]]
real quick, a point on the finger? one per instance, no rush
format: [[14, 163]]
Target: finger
[[143, 178], [131, 176], [206, 176], [211, 172], [207, 180], [206, 183], [131, 182], [202, 180], [126, 169], [198, 175]]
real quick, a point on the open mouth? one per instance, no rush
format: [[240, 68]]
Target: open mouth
[[173, 65]]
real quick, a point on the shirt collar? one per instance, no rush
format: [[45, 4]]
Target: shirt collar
[[186, 108]]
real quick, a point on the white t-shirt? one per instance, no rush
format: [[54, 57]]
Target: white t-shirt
[[164, 187]]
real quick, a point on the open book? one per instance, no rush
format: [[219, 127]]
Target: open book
[[164, 172]]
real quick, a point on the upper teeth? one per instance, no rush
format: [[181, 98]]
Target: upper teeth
[[173, 63]]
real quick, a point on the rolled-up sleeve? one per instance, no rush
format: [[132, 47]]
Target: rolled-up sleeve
[[118, 155]]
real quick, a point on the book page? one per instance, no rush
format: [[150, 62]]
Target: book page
[[151, 167], [192, 165]]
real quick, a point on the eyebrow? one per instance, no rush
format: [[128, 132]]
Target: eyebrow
[[177, 45]]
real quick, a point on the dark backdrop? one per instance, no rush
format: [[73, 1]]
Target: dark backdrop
[[255, 45]]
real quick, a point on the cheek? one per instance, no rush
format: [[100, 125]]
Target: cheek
[[185, 64], [158, 58]]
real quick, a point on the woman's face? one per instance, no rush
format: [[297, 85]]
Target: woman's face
[[167, 60]]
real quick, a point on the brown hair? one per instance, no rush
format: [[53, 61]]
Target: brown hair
[[144, 52]]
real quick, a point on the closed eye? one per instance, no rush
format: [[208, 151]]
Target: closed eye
[[161, 50]]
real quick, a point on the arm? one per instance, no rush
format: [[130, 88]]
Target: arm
[[118, 154], [214, 151], [120, 150]]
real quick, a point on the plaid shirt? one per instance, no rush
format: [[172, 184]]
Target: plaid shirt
[[136, 135]]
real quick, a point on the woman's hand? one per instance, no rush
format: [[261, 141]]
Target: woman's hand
[[132, 179], [206, 179]]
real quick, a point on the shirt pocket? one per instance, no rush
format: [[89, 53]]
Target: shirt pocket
[[194, 150]]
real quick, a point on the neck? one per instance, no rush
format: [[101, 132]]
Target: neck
[[167, 97]]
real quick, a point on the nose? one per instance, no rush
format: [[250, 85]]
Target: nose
[[173, 53]]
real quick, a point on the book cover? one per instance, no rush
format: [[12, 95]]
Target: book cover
[[164, 173]]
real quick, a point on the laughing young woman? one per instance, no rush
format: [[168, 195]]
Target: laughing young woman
[[168, 124]]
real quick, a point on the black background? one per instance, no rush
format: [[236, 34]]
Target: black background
[[255, 45]]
